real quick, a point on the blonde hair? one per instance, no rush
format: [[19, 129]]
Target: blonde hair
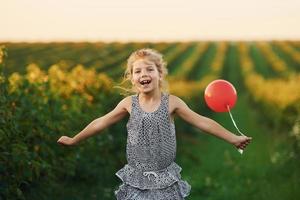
[[149, 55]]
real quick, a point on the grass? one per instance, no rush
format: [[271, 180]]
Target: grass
[[218, 171]]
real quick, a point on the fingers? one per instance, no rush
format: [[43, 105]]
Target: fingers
[[244, 144], [61, 141], [66, 141]]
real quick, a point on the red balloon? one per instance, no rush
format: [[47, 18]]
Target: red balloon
[[220, 93]]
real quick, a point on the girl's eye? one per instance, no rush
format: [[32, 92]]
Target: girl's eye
[[150, 69], [137, 72]]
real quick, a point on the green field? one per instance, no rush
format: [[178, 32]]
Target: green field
[[35, 114]]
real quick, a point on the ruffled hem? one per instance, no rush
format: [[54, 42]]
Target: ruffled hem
[[185, 188], [155, 179], [177, 191]]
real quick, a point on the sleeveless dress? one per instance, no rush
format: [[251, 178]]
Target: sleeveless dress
[[151, 172]]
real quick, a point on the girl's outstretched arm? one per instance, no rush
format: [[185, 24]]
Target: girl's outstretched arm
[[98, 124], [207, 125]]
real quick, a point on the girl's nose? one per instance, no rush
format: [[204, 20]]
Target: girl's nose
[[144, 73]]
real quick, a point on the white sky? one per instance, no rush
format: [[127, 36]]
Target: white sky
[[151, 20]]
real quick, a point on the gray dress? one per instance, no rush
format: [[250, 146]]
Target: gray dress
[[151, 172]]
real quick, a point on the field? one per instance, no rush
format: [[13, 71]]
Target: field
[[54, 89]]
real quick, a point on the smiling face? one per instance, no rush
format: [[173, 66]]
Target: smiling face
[[145, 76]]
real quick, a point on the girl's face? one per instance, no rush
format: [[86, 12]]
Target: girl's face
[[145, 76]]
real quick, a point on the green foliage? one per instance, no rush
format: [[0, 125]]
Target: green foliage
[[30, 125]]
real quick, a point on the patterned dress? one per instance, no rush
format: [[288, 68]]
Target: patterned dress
[[151, 172]]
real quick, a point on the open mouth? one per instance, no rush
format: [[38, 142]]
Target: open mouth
[[145, 82]]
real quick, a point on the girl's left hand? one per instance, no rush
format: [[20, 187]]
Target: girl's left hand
[[241, 142]]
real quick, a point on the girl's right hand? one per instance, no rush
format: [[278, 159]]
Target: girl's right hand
[[65, 140]]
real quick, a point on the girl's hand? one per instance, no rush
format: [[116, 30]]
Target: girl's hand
[[241, 142], [65, 140]]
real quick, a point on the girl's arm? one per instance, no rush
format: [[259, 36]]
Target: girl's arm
[[99, 124], [208, 125]]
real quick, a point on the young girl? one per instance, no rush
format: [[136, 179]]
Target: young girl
[[151, 172]]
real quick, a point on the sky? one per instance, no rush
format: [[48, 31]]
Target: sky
[[148, 20]]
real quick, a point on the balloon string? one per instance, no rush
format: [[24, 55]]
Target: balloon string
[[240, 150], [234, 122]]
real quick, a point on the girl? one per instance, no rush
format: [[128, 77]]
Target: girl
[[151, 172]]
